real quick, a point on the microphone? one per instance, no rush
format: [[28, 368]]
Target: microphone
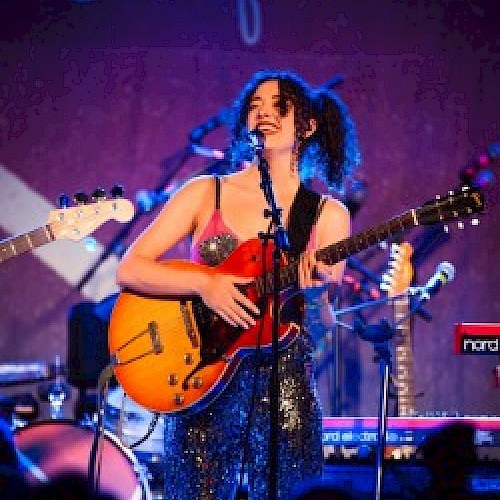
[[249, 145], [149, 200], [445, 272], [207, 152]]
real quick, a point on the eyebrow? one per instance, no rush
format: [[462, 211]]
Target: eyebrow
[[258, 98]]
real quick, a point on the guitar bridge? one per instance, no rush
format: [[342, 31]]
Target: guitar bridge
[[157, 347]]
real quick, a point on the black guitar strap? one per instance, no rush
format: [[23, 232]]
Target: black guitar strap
[[304, 213]]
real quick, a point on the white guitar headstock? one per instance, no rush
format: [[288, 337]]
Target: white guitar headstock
[[75, 223], [399, 274]]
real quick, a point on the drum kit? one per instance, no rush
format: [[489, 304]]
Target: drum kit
[[52, 445]]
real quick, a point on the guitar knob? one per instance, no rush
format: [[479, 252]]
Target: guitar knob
[[99, 194], [197, 382], [64, 200], [80, 198], [117, 191], [178, 399], [188, 359], [173, 379]]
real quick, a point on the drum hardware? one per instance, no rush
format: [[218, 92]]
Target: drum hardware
[[19, 409], [24, 373], [56, 393]]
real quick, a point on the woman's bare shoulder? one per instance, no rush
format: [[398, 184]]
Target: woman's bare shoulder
[[334, 222], [335, 208]]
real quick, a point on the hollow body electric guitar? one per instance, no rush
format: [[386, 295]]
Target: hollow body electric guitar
[[72, 223], [174, 354]]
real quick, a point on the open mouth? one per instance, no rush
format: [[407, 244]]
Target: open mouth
[[267, 127]]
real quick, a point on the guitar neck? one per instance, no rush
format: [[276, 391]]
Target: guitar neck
[[404, 376], [339, 251], [10, 247]]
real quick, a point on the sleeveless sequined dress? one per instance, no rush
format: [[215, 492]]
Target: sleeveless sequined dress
[[203, 450]]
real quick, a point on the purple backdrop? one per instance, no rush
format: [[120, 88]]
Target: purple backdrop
[[98, 93]]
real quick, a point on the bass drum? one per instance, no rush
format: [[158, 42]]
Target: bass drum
[[52, 448]]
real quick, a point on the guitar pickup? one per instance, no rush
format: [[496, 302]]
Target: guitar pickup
[[155, 337]]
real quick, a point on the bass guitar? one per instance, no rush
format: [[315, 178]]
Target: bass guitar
[[72, 223], [174, 354]]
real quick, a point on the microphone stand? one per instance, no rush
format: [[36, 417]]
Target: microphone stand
[[379, 335], [281, 243]]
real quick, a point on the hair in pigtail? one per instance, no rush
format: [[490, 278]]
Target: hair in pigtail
[[334, 145]]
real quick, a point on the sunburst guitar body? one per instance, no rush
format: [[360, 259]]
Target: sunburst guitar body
[[175, 354]]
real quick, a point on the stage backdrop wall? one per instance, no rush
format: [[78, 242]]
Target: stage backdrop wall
[[98, 93]]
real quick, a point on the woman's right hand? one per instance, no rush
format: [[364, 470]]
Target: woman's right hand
[[220, 293]]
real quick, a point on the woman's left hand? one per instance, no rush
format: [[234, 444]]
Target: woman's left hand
[[314, 276]]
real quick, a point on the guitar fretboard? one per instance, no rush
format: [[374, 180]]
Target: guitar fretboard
[[337, 252], [404, 378], [16, 245]]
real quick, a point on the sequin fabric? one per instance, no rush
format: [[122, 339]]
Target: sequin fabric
[[204, 450]]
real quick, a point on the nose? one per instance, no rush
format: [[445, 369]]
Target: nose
[[262, 112]]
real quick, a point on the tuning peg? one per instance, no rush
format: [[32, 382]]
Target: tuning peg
[[80, 198], [460, 224], [117, 191], [474, 222], [99, 194], [386, 278], [394, 264], [64, 200]]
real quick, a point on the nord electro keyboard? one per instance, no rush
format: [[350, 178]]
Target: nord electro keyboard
[[477, 338], [355, 431]]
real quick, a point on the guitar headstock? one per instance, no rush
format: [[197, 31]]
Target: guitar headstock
[[455, 205], [77, 222], [399, 274]]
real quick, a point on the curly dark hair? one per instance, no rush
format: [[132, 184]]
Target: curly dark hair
[[332, 150]]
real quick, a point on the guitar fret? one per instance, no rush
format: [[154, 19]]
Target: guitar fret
[[403, 370], [259, 287], [11, 247], [48, 232]]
